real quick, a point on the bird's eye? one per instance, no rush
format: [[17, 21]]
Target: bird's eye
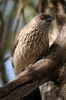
[[42, 17]]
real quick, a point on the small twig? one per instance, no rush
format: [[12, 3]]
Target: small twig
[[19, 11], [7, 58]]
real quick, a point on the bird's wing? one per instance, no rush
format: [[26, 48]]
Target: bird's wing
[[15, 43]]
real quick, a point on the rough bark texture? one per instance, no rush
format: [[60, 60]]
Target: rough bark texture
[[42, 71]]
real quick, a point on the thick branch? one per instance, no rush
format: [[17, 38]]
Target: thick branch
[[39, 73]]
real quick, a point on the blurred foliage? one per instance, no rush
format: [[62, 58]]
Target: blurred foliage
[[9, 11], [14, 14]]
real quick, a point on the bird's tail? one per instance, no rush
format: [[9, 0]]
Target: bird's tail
[[35, 95]]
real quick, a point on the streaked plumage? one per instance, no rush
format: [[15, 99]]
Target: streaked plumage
[[31, 42]]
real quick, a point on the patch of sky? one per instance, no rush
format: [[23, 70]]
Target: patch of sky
[[9, 69]]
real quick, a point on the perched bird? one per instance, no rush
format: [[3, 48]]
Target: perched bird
[[31, 42]]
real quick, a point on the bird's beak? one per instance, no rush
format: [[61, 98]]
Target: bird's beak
[[50, 18]]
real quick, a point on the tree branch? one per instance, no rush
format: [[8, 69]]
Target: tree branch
[[42, 71]]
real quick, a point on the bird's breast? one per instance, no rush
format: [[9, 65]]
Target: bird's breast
[[29, 49]]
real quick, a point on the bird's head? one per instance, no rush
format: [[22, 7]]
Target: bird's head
[[43, 19]]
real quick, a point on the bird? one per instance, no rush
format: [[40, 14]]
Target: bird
[[32, 42]]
